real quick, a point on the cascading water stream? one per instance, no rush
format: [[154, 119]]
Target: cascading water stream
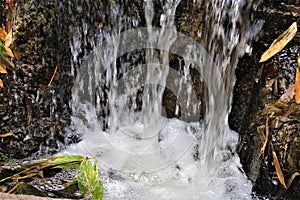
[[157, 70], [143, 155]]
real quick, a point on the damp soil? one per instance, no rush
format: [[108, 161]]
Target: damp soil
[[39, 115]]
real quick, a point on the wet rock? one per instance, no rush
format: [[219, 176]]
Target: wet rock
[[257, 94], [30, 108], [47, 32]]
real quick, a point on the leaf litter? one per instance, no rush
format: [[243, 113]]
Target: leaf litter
[[281, 114], [27, 173]]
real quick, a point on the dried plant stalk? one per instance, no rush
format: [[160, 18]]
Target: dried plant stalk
[[55, 70], [266, 139], [280, 42], [278, 169], [290, 181]]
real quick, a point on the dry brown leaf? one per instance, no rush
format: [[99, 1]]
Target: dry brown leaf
[[9, 52], [16, 53], [13, 6], [288, 95], [261, 130], [3, 34], [280, 42], [63, 121], [15, 187], [8, 39], [10, 10], [262, 150], [2, 69], [6, 62], [278, 169], [266, 139], [8, 26], [289, 183], [1, 84], [297, 83], [55, 70], [8, 23], [7, 134]]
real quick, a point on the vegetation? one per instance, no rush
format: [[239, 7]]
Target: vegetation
[[87, 177], [279, 111]]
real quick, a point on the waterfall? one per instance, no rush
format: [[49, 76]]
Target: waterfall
[[117, 105]]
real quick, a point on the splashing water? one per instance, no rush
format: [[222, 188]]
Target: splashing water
[[143, 155]]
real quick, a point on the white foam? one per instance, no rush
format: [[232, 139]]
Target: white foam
[[163, 166]]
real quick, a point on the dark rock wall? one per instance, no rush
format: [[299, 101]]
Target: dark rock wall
[[250, 99], [45, 35], [36, 113], [49, 34]]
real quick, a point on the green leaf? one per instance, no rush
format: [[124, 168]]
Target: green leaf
[[4, 157], [60, 162], [64, 159], [67, 165], [2, 49], [83, 183], [88, 180], [97, 191]]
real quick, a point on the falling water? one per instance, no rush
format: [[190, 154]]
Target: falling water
[[117, 107]]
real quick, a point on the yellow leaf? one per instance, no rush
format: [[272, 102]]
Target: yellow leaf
[[280, 42], [9, 52], [2, 69], [278, 169], [8, 39], [1, 84]]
